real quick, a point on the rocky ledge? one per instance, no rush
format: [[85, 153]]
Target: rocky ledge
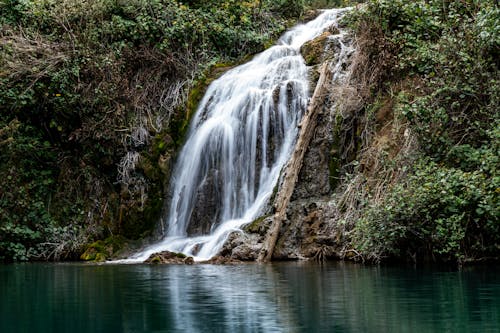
[[174, 258], [167, 257]]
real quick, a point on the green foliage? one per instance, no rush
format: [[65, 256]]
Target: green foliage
[[290, 7], [448, 207], [24, 218], [441, 42], [75, 78], [442, 211]]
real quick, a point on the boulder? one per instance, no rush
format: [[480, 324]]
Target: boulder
[[313, 51], [167, 257]]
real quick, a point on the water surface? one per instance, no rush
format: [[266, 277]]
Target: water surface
[[285, 297]]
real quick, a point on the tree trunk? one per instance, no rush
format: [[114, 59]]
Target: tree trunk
[[292, 169]]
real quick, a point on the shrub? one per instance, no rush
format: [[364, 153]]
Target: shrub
[[448, 208], [82, 84], [444, 212]]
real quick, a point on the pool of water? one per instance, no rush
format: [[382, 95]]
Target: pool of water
[[283, 297]]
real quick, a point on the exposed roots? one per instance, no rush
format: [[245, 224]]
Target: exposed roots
[[127, 166], [322, 254]]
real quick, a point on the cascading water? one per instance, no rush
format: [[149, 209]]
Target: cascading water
[[240, 139]]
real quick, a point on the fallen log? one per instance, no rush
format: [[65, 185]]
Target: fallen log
[[292, 169]]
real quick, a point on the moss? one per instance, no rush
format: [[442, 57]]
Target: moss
[[89, 254], [150, 169], [334, 168], [180, 255], [116, 242], [92, 251], [255, 225], [139, 221], [162, 143], [100, 257], [180, 124], [156, 260], [100, 250], [139, 214], [312, 51]]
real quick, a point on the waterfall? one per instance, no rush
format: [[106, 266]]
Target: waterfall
[[239, 140]]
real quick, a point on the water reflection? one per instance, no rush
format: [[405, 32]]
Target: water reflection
[[291, 297]]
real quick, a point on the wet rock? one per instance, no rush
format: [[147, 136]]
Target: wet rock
[[220, 260], [259, 226], [242, 246], [167, 257], [206, 209], [310, 15]]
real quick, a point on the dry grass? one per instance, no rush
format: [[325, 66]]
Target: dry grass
[[374, 61], [376, 148], [29, 56]]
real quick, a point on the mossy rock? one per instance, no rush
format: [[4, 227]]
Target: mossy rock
[[89, 254], [95, 252], [258, 226], [180, 255], [155, 260], [138, 220], [313, 50], [100, 257], [102, 249], [162, 143], [310, 15], [254, 226], [150, 169], [167, 257]]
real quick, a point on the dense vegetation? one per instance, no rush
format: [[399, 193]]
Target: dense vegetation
[[437, 75], [94, 103], [95, 97]]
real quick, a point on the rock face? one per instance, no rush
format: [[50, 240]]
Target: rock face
[[208, 200], [314, 176], [316, 51], [310, 231], [242, 246]]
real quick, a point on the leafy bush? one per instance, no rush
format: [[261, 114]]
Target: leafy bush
[[439, 211], [448, 208], [24, 218], [85, 83]]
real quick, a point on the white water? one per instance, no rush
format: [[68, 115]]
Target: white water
[[240, 138]]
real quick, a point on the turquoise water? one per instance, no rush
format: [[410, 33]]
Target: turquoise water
[[285, 297]]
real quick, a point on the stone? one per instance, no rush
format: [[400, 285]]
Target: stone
[[313, 51], [310, 232], [167, 257], [206, 209], [242, 246], [310, 15], [220, 260]]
